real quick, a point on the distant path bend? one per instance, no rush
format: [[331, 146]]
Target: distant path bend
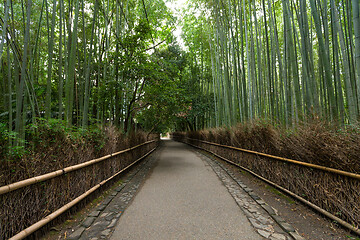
[[183, 199]]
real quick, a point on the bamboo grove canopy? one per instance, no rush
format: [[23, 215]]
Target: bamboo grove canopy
[[99, 61], [277, 59]]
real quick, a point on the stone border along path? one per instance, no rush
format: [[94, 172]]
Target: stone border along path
[[100, 223], [263, 217]]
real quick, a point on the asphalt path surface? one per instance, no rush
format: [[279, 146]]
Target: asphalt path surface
[[183, 199]]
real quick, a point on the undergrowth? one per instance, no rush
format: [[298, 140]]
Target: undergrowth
[[51, 145], [47, 145]]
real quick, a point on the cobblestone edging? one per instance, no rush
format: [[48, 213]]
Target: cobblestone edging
[[100, 223], [262, 217]]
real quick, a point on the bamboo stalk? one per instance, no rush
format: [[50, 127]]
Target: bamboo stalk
[[356, 22], [26, 232], [310, 165], [4, 26], [60, 59], [20, 94], [69, 92], [50, 63], [86, 102], [33, 180]]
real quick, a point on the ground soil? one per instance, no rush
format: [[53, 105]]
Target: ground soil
[[309, 224]]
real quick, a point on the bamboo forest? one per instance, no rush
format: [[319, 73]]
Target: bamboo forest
[[118, 62]]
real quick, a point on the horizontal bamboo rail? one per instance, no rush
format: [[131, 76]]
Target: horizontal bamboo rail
[[310, 165], [36, 226], [306, 202], [47, 176]]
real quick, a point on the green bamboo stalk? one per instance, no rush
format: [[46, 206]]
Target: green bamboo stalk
[[307, 75], [49, 73], [237, 45], [356, 21], [85, 118], [116, 69], [69, 94], [336, 66], [249, 88], [37, 38], [10, 108], [346, 24], [233, 62], [60, 72], [325, 61], [212, 52], [259, 82], [287, 70], [348, 89], [243, 75], [221, 113], [270, 77], [20, 106], [273, 35], [5, 26]]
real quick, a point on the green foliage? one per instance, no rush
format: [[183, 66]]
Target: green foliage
[[4, 139], [118, 62], [9, 151], [91, 70], [43, 129], [163, 97], [279, 60], [45, 134], [94, 136]]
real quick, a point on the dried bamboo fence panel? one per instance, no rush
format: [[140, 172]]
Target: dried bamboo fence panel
[[27, 204]]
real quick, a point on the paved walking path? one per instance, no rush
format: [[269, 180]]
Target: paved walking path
[[179, 193], [183, 199]]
